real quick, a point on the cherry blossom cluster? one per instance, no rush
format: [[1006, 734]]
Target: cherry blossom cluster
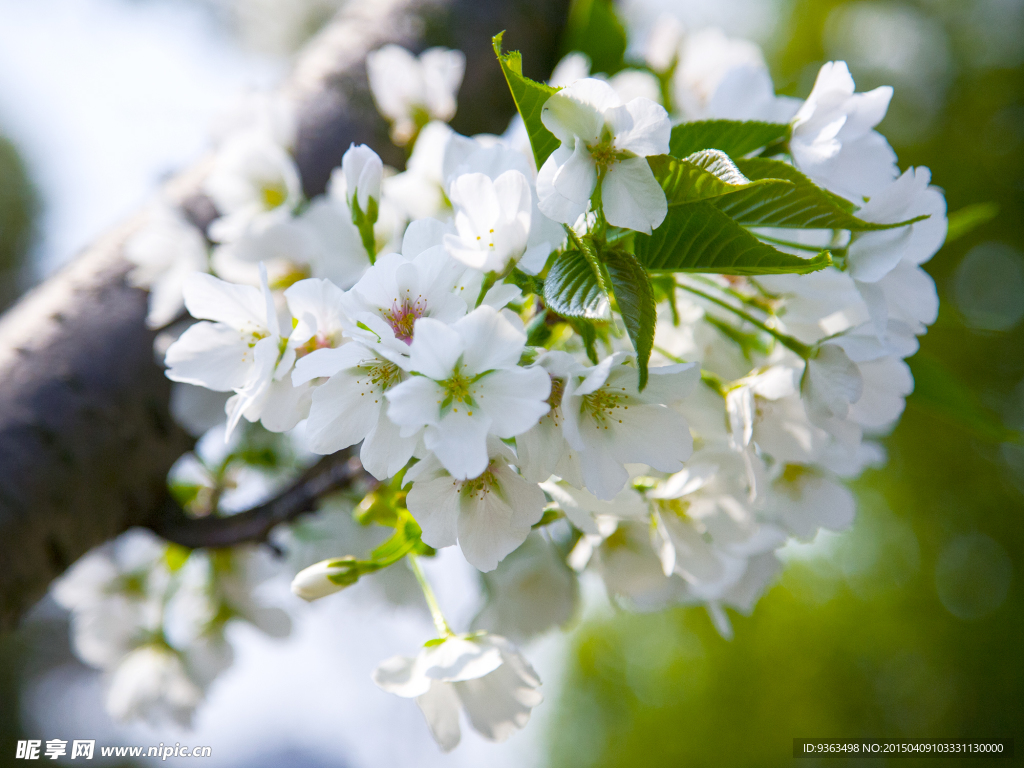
[[477, 325], [152, 617]]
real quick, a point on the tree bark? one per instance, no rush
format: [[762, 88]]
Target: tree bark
[[86, 436]]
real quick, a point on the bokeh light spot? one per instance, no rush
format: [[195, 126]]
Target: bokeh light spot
[[972, 576], [989, 287]]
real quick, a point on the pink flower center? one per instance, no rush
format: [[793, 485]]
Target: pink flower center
[[320, 341], [403, 316]]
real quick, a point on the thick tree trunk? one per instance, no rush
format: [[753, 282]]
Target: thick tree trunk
[[86, 437]]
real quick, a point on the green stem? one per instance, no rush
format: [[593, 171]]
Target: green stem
[[601, 225], [805, 351], [491, 278], [443, 630]]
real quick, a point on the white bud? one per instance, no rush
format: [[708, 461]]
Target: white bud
[[363, 170], [314, 582]]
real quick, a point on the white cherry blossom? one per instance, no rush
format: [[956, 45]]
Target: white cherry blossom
[[489, 515], [611, 423], [492, 219], [115, 596], [320, 242], [484, 676], [476, 155], [604, 143], [722, 77], [152, 683], [241, 350], [396, 291], [704, 531], [830, 383], [467, 385], [419, 191], [410, 91], [834, 141], [351, 406], [254, 183], [805, 500], [543, 450], [872, 255]]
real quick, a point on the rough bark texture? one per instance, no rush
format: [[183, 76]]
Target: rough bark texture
[[86, 437]]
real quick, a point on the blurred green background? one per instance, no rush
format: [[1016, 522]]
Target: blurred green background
[[910, 625]]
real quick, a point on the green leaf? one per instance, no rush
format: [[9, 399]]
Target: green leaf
[[635, 299], [969, 218], [802, 205], [734, 137], [573, 287], [701, 176], [938, 392], [588, 332], [595, 29], [529, 97], [700, 238]]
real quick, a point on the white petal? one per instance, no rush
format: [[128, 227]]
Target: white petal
[[550, 201], [499, 704], [415, 403], [576, 178], [578, 110], [286, 405], [495, 520], [435, 505], [212, 355], [515, 399], [440, 706], [460, 658], [421, 235], [435, 348], [460, 443], [641, 126], [400, 675], [501, 294], [317, 305], [210, 298], [384, 450], [830, 383], [490, 341], [654, 435], [327, 362], [344, 409], [632, 197]]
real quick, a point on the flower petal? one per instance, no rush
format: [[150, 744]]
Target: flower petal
[[400, 675], [576, 178], [210, 355], [440, 706], [632, 197], [640, 126]]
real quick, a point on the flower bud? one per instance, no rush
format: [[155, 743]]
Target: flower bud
[[363, 170], [325, 578]]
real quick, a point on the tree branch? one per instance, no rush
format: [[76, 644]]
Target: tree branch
[[332, 473]]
